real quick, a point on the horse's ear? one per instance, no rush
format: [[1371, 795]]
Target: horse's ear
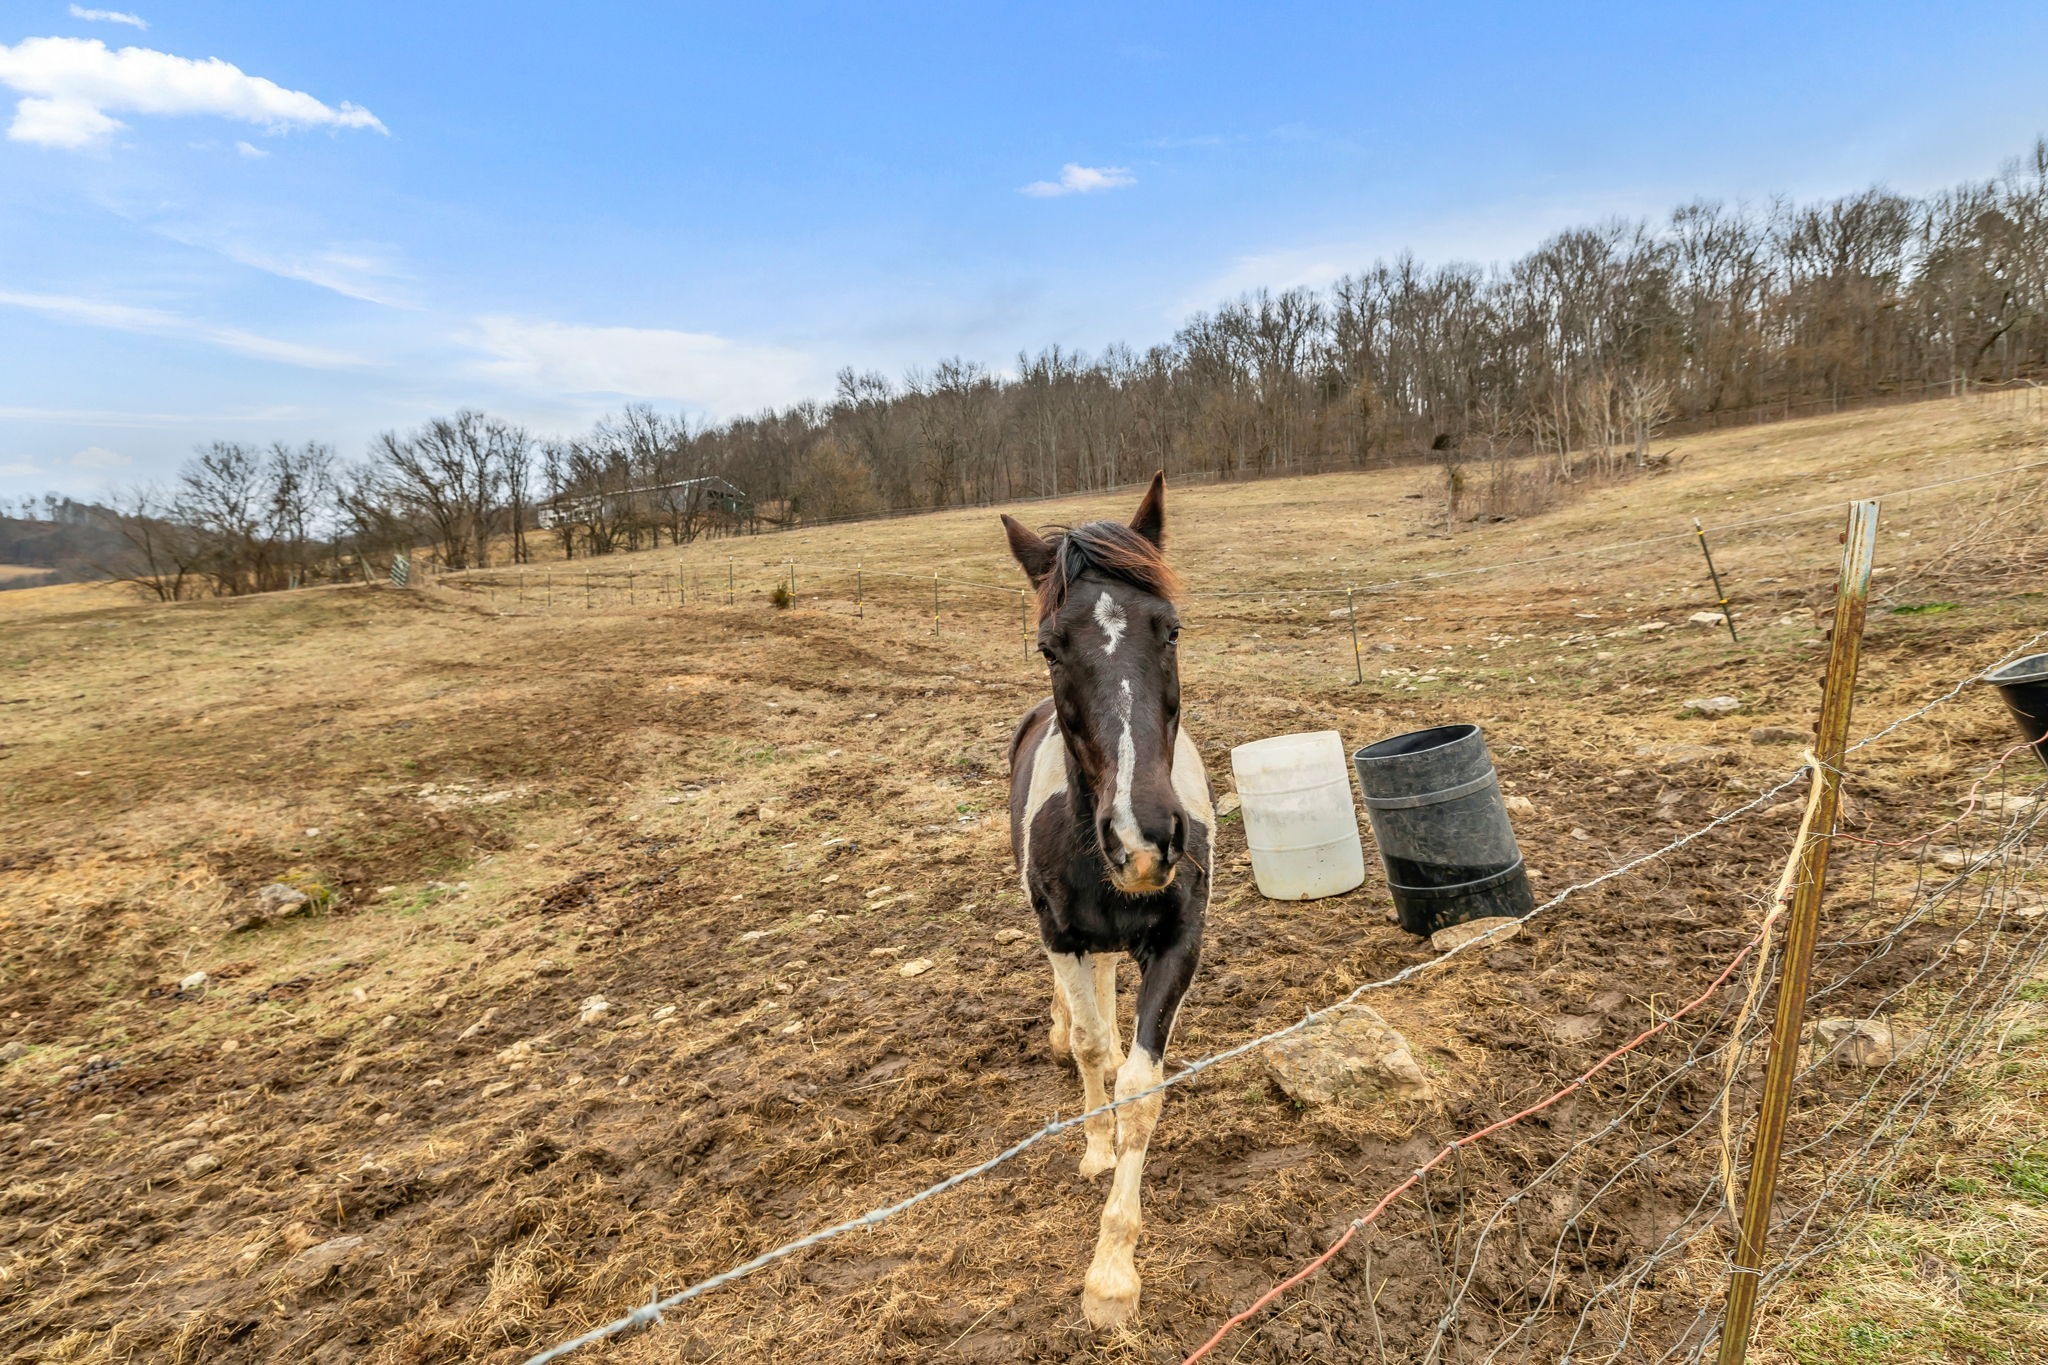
[[1033, 551], [1150, 521]]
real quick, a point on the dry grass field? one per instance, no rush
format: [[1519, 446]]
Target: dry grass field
[[390, 1127]]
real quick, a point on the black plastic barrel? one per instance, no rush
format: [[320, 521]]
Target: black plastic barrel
[[1442, 829], [2024, 685]]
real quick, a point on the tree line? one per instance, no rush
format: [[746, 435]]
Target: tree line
[[1577, 353]]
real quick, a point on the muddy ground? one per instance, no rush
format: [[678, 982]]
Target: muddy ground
[[391, 1126]]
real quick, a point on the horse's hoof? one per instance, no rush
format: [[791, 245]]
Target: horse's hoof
[[1110, 1298], [1096, 1160]]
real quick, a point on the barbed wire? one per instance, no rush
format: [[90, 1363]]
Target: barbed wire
[[1703, 1215], [652, 1311]]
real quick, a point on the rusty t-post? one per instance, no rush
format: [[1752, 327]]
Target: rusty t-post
[[1720, 594], [1852, 598]]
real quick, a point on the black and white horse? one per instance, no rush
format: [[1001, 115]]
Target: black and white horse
[[1111, 823]]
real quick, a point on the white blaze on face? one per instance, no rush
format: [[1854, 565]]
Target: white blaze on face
[[1109, 614], [1123, 821]]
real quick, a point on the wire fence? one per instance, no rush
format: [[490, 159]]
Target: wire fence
[[1339, 625], [1548, 1254]]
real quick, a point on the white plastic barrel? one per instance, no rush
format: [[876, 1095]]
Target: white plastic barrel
[[1295, 794]]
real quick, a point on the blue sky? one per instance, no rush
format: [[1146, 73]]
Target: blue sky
[[377, 212]]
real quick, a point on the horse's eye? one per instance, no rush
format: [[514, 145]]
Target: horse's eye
[[1173, 636], [1047, 655]]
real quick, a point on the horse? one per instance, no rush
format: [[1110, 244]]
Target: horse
[[1112, 827]]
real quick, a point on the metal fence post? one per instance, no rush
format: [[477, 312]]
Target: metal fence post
[[1720, 595], [1351, 610], [1852, 599]]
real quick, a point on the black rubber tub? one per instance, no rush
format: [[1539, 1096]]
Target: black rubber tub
[[2024, 685], [1442, 828]]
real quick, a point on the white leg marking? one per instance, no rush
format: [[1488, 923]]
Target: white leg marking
[[1092, 1044], [1105, 1004], [1062, 1021], [1109, 614], [1109, 1295], [1122, 819]]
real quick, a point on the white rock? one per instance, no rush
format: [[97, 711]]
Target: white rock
[[192, 982], [594, 1008], [1648, 627], [1520, 805], [1714, 706], [1860, 1043], [483, 1022], [200, 1164], [496, 1088], [1351, 1052], [665, 1012], [1009, 935], [1707, 618], [917, 966], [1227, 804]]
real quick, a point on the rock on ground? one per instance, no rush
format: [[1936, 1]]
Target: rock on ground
[[1863, 1043], [1520, 805], [275, 901], [1714, 706], [1713, 619], [1501, 927], [1351, 1053], [1778, 734]]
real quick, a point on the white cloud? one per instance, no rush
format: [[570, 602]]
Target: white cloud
[[251, 150], [108, 16], [356, 273], [72, 87], [20, 469], [99, 457], [158, 322], [1078, 179], [719, 375]]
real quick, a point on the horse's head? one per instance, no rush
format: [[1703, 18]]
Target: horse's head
[[1107, 627]]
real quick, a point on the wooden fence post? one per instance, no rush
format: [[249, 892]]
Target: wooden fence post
[[1852, 599]]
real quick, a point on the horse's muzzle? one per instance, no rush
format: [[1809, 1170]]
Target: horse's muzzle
[[1143, 873]]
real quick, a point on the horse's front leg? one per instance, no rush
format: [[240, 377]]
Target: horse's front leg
[[1093, 1040], [1109, 1296]]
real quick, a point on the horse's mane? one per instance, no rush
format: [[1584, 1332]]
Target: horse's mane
[[1107, 548]]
